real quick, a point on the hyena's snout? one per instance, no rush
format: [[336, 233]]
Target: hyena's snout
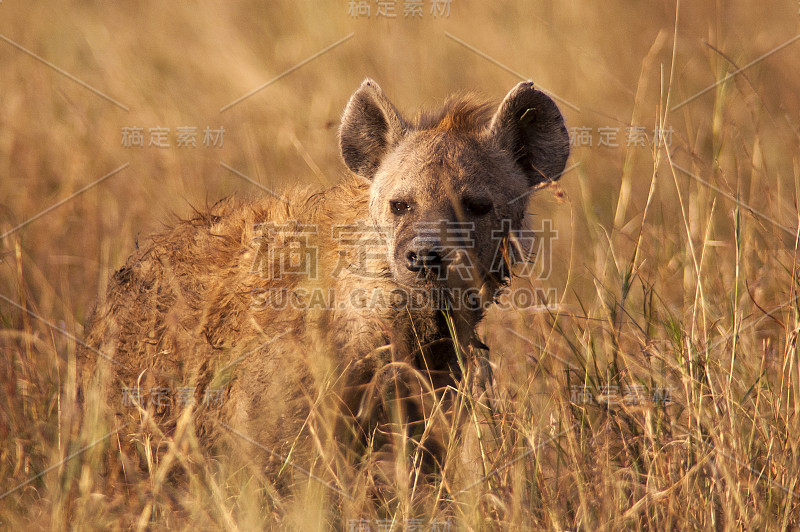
[[431, 259], [425, 256]]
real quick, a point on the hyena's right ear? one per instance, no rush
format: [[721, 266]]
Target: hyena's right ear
[[371, 126]]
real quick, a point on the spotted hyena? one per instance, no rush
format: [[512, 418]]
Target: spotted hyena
[[277, 321]]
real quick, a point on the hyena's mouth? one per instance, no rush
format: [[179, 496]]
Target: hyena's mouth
[[448, 282], [444, 268]]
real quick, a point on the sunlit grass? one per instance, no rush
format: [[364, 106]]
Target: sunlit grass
[[660, 389]]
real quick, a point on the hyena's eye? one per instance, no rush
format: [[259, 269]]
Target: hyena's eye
[[477, 207], [399, 207]]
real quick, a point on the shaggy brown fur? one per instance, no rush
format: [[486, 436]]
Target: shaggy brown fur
[[281, 323]]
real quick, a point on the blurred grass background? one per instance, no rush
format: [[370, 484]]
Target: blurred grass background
[[661, 279]]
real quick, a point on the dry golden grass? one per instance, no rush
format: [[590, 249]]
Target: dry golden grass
[[675, 267]]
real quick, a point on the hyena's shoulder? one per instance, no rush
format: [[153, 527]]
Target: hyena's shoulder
[[181, 267], [188, 282]]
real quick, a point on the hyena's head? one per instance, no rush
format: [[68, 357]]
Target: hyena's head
[[448, 187]]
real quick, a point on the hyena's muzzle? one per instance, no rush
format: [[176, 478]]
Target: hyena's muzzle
[[443, 253]]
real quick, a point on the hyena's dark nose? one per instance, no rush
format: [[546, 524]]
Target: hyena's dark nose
[[424, 259]]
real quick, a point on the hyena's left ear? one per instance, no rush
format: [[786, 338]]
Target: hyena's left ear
[[371, 126], [529, 127]]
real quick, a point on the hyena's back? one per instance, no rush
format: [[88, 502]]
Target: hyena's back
[[181, 315]]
